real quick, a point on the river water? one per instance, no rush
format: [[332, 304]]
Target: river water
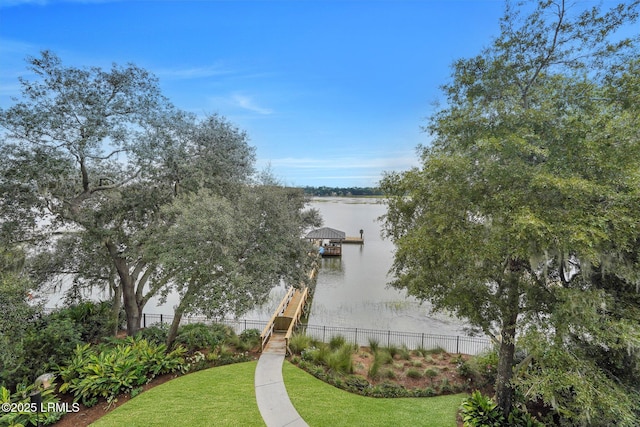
[[351, 291]]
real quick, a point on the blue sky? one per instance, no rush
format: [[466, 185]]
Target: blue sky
[[330, 92]]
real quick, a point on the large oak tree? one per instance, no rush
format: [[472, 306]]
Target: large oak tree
[[89, 160], [529, 186]]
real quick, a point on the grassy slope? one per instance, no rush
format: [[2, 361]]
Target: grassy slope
[[221, 396], [225, 396], [323, 405]]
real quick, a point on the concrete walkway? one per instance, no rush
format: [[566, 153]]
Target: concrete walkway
[[273, 401]]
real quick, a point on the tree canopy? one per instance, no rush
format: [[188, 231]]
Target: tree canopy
[[529, 188], [93, 161]]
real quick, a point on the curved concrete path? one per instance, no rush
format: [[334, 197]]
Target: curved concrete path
[[273, 401]]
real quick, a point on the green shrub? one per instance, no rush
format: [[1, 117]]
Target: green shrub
[[393, 350], [465, 369], [384, 356], [431, 373], [374, 369], [404, 353], [106, 371], [414, 374], [389, 374], [480, 411], [196, 336], [299, 343], [445, 386], [50, 343], [340, 360], [521, 418], [156, 333], [388, 390], [222, 334], [357, 383], [321, 354], [336, 342], [486, 365], [436, 350], [94, 319], [28, 418], [374, 345], [249, 339]]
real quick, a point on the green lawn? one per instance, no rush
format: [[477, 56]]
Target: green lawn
[[222, 396], [225, 396], [320, 404]]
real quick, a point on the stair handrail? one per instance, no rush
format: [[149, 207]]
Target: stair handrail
[[268, 329]]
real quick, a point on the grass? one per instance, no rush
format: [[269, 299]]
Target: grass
[[225, 396], [319, 405], [222, 396]]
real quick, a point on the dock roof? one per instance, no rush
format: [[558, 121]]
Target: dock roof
[[326, 233]]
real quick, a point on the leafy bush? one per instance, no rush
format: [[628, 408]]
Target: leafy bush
[[222, 333], [521, 418], [486, 366], [248, 339], [91, 375], [356, 383], [197, 336], [466, 370], [49, 343], [22, 397], [94, 319], [374, 345], [480, 411], [156, 333]]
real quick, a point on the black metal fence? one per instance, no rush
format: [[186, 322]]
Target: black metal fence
[[360, 336]]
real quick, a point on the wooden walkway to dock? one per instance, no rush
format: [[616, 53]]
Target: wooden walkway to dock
[[276, 334]]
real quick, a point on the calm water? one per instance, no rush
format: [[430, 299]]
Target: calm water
[[351, 291]]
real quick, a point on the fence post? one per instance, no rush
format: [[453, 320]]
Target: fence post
[[144, 320], [458, 344], [422, 341], [389, 338], [160, 318], [324, 328], [356, 336]]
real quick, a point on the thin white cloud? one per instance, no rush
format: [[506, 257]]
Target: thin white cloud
[[192, 73], [248, 103]]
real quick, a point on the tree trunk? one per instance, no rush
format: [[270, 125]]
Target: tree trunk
[[173, 330], [506, 353], [177, 316], [504, 391], [115, 308], [128, 289]]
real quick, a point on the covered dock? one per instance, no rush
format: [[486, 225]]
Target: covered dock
[[329, 241]]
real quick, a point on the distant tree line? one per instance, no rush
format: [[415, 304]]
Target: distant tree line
[[342, 191]]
